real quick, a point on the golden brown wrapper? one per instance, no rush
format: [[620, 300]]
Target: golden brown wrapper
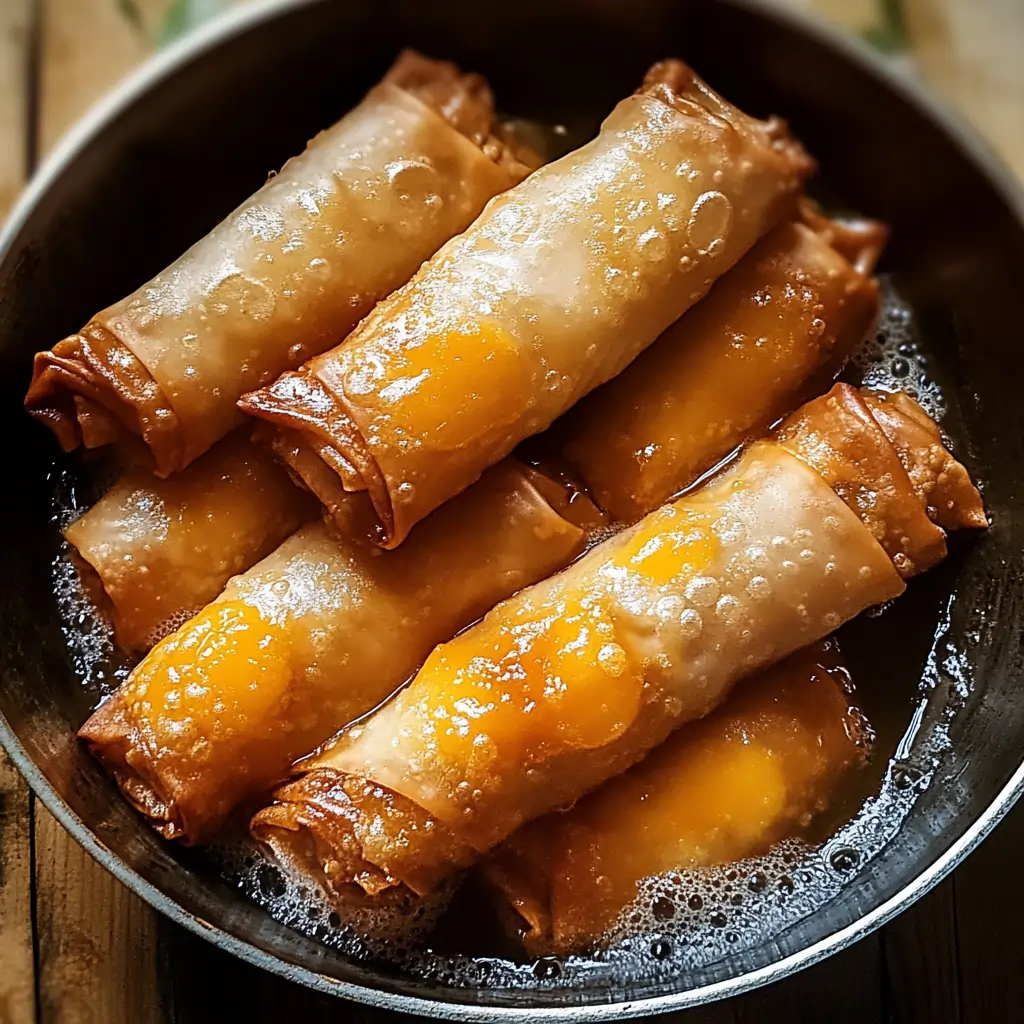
[[753, 772], [575, 679], [323, 824], [287, 274], [782, 321], [553, 290], [839, 436], [316, 634], [943, 484], [153, 552]]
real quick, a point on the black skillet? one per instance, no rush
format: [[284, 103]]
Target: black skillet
[[195, 131]]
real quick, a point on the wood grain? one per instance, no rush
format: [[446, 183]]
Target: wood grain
[[15, 20], [88, 46], [17, 960], [96, 941], [971, 54]]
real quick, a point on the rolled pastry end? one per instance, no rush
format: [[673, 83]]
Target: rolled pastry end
[[111, 738], [885, 457], [857, 239], [91, 390], [347, 513], [839, 437], [942, 483], [356, 839], [302, 421], [466, 102], [676, 84]]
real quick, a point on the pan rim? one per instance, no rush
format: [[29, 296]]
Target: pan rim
[[152, 74]]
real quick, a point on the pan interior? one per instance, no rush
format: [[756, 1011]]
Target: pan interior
[[181, 155]]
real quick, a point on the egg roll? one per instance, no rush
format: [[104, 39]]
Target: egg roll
[[554, 289], [154, 552], [943, 485], [316, 634], [838, 435], [754, 771], [779, 324], [575, 679], [286, 275]]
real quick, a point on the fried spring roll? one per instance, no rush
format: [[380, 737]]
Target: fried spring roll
[[555, 288], [722, 789], [943, 484], [288, 274], [784, 319], [838, 435], [153, 552], [313, 636], [573, 680], [790, 310]]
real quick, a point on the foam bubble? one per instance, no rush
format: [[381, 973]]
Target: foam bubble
[[892, 359], [707, 914], [169, 625], [95, 659], [364, 930]]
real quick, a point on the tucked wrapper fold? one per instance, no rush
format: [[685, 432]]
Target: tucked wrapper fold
[[873, 470], [153, 552], [553, 290], [287, 274], [771, 332], [722, 789], [572, 681], [315, 635], [942, 484]]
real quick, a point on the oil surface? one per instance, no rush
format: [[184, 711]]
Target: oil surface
[[96, 661], [683, 921]]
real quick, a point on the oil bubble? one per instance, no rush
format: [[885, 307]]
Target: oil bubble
[[663, 909], [661, 949], [547, 968], [844, 859]]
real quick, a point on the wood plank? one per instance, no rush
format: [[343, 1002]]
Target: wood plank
[[971, 54], [17, 960], [854, 15], [96, 940], [17, 957], [88, 46], [989, 910], [919, 949], [15, 18]]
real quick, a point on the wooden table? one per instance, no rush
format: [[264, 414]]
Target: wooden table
[[77, 947]]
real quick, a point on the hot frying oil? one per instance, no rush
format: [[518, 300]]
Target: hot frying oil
[[910, 681]]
